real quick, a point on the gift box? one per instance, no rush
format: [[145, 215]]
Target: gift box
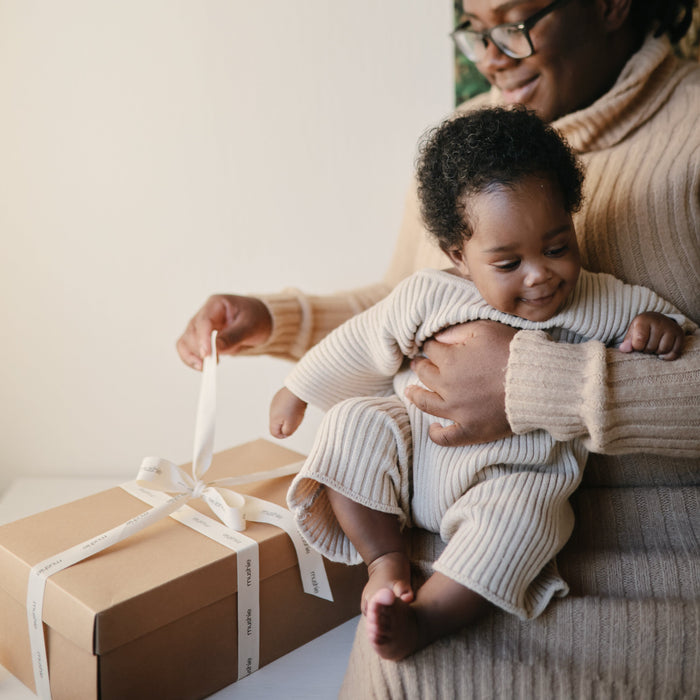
[[156, 615]]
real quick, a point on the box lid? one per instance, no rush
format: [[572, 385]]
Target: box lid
[[156, 576]]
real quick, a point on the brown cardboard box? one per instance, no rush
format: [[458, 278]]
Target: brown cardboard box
[[155, 616]]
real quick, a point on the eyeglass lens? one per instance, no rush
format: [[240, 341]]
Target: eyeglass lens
[[510, 39]]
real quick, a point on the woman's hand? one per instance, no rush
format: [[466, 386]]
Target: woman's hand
[[465, 372], [241, 322]]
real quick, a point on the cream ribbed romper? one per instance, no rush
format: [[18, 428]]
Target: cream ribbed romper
[[501, 507]]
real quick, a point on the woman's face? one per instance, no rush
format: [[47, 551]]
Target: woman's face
[[568, 69]]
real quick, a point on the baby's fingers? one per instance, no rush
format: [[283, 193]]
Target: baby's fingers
[[671, 345], [639, 336], [654, 333], [277, 428]]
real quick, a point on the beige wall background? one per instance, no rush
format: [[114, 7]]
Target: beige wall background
[[155, 151]]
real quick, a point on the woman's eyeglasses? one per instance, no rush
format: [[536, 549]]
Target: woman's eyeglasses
[[512, 39]]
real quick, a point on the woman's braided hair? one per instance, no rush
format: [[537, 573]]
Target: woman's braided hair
[[672, 17]]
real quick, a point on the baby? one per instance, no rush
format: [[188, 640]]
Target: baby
[[498, 189]]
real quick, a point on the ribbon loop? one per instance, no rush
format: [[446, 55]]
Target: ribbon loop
[[162, 475], [228, 507]]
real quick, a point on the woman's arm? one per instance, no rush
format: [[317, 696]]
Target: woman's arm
[[616, 402], [300, 320], [283, 325]]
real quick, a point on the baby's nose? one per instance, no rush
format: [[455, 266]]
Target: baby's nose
[[536, 274]]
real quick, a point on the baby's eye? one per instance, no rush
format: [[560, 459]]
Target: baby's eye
[[557, 252], [507, 266]]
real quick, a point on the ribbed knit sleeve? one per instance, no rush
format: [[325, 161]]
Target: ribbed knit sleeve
[[300, 320], [616, 402], [602, 307], [360, 357]]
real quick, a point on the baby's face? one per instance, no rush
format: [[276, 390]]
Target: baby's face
[[523, 256]]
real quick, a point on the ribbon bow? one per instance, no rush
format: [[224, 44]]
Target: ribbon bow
[[162, 475]]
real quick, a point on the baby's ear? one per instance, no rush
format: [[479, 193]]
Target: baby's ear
[[456, 255]]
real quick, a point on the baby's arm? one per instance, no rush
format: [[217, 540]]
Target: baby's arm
[[656, 334], [286, 413]]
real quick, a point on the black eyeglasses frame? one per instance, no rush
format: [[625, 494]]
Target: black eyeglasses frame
[[523, 27]]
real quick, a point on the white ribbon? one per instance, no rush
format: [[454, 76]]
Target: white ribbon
[[167, 488]]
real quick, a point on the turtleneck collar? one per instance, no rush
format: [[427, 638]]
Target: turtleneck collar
[[640, 90]]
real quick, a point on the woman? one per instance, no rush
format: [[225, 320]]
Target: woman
[[630, 109]]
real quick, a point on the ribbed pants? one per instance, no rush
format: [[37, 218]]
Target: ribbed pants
[[502, 508]]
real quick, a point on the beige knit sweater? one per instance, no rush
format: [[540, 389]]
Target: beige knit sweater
[[631, 624], [502, 507]]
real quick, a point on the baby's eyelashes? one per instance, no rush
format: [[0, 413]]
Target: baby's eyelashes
[[507, 266]]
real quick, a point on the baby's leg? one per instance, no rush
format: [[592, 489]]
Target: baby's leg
[[397, 628], [377, 537]]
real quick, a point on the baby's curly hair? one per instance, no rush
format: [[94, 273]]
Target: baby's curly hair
[[483, 149]]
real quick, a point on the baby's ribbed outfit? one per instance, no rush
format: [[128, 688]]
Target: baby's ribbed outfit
[[501, 507]]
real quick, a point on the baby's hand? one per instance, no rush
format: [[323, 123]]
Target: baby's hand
[[286, 413], [656, 334]]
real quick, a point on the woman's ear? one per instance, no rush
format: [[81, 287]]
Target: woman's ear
[[614, 13]]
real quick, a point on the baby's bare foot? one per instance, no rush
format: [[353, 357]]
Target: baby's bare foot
[[392, 626], [390, 571]]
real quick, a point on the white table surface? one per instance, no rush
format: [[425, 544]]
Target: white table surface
[[312, 672]]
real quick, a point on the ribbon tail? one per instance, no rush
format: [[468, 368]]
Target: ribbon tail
[[285, 470], [313, 573], [206, 415]]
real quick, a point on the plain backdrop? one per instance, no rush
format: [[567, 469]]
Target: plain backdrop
[[155, 151]]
